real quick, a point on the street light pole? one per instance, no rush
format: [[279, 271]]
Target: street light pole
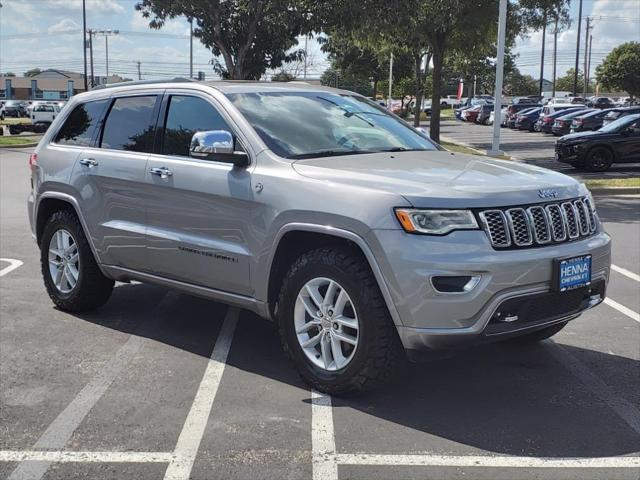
[[84, 42], [497, 103], [107, 33], [191, 48], [575, 73]]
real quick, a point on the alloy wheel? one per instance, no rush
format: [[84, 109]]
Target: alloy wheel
[[64, 261], [326, 324]]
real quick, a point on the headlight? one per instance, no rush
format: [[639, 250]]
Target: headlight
[[435, 222]]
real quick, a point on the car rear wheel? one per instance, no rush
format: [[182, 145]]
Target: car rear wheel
[[599, 159], [334, 323], [71, 275]]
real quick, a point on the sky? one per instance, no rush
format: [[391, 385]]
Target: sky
[[47, 34]]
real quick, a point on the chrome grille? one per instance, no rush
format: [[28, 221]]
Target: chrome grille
[[539, 224]]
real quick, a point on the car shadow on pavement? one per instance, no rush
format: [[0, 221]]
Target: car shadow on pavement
[[617, 209], [498, 398]]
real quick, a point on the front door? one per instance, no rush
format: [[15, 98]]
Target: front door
[[199, 210]]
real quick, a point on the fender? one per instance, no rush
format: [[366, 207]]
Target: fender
[[346, 234], [76, 206]]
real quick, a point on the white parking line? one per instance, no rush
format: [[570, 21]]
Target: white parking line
[[486, 461], [186, 449], [13, 264], [622, 309], [626, 273], [90, 457], [59, 432], [323, 444]]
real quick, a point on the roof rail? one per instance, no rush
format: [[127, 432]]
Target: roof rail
[[144, 82]]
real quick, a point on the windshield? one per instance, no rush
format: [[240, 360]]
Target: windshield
[[317, 124], [619, 124]]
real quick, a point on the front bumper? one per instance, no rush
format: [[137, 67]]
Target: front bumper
[[433, 320]]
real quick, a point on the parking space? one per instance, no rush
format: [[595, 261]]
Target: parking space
[[530, 147], [157, 384]]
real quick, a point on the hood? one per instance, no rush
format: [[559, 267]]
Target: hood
[[444, 179], [580, 136]]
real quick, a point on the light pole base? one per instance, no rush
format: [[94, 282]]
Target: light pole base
[[495, 153]]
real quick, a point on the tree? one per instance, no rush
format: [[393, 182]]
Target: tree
[[9, 74], [32, 73], [251, 36], [283, 77], [620, 70], [565, 83]]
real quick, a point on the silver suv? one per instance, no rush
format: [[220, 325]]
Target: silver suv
[[314, 207]]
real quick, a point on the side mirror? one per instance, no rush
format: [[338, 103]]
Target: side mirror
[[217, 145], [423, 131]]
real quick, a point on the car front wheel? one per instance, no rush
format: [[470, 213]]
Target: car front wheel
[[599, 159], [335, 324]]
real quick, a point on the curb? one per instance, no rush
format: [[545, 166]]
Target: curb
[[466, 145], [614, 190], [20, 145]]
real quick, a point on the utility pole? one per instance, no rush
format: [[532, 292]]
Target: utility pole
[[190, 50], [91, 33], [544, 34], [306, 39], [586, 56], [575, 73], [555, 54], [588, 77], [84, 42], [107, 33], [139, 74], [497, 103], [390, 81]]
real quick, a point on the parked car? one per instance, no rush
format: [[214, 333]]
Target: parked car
[[617, 142], [513, 110], [588, 121], [451, 101], [459, 111], [13, 108], [244, 203], [601, 102], [526, 120], [471, 114], [483, 114], [562, 124], [545, 122], [44, 113], [616, 113]]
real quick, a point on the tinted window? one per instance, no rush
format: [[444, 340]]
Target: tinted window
[[80, 124], [130, 124], [186, 116]]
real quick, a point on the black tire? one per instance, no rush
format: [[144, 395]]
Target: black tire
[[92, 289], [539, 335], [379, 350], [599, 159]]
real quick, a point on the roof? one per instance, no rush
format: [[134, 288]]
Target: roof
[[229, 86], [52, 83]]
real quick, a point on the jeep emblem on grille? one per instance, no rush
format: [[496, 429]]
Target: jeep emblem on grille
[[547, 193]]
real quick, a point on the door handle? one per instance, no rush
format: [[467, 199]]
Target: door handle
[[88, 162], [162, 172]]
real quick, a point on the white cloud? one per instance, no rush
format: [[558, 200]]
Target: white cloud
[[64, 25], [94, 6]]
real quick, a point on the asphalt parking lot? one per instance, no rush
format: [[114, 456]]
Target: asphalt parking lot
[[530, 147], [158, 384]]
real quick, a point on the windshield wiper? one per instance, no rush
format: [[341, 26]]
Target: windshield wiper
[[329, 153]]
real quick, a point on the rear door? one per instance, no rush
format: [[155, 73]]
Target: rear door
[[110, 176], [628, 143], [200, 212]]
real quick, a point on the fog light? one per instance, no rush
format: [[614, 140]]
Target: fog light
[[454, 283]]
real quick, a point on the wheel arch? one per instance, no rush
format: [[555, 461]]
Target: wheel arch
[[294, 239], [51, 202], [606, 146]]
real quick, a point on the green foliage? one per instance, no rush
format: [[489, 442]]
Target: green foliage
[[250, 35], [565, 83], [33, 72], [338, 79], [9, 74], [283, 77], [620, 70]]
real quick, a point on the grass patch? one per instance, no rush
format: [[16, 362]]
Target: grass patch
[[455, 147], [613, 182], [18, 140], [15, 121], [447, 113]]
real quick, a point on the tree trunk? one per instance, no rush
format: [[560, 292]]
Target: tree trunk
[[438, 59], [419, 89]]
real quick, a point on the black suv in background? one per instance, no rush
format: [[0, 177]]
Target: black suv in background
[[601, 102], [618, 142]]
